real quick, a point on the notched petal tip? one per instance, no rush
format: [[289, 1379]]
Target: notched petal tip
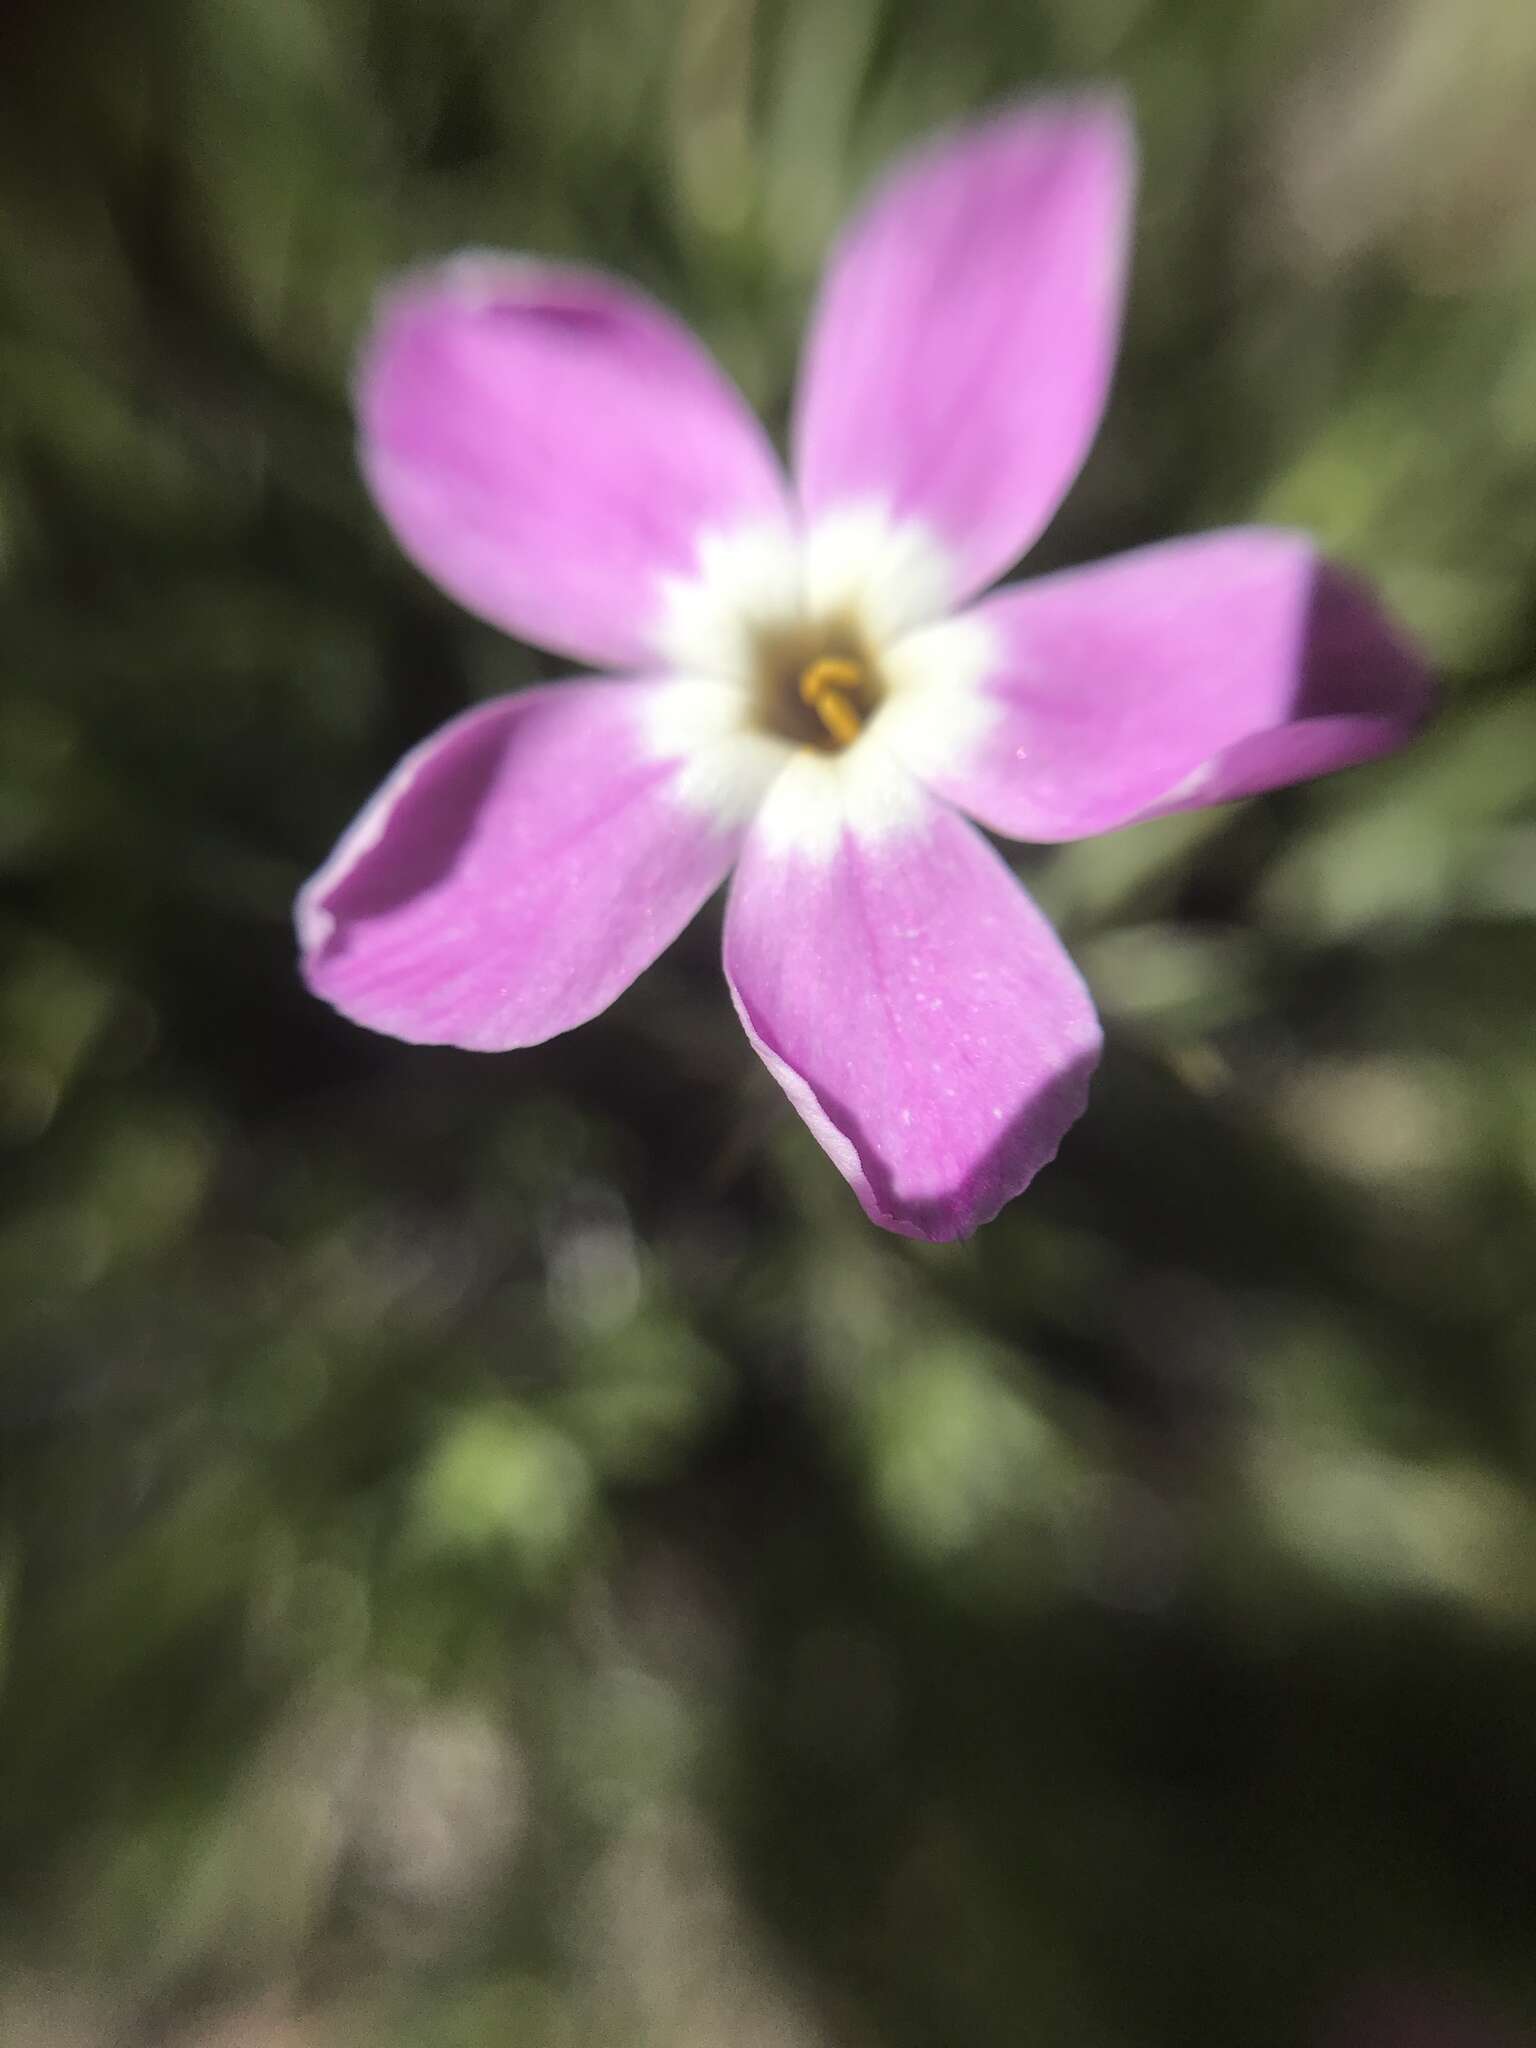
[[1028, 1143], [916, 1009], [1356, 659], [548, 443], [471, 283], [1188, 673], [964, 340], [1025, 1143], [1359, 689], [1098, 116], [514, 875], [405, 844]]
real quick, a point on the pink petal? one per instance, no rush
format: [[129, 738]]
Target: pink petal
[[915, 1007], [548, 444], [961, 352], [1181, 675], [516, 872]]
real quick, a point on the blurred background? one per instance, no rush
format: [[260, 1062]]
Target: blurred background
[[498, 1551]]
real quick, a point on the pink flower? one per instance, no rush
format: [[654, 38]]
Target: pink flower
[[810, 694]]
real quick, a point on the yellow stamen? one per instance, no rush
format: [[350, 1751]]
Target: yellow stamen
[[823, 685]]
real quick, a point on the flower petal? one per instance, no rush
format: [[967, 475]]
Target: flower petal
[[521, 867], [1186, 674], [549, 444], [961, 352], [907, 996]]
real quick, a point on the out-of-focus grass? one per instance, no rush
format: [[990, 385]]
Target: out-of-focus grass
[[499, 1551]]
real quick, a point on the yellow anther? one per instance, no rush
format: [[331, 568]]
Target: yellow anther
[[823, 685]]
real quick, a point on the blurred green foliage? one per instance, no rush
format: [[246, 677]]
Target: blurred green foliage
[[498, 1551]]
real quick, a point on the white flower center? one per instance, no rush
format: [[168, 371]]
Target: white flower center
[[806, 652], [857, 574]]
